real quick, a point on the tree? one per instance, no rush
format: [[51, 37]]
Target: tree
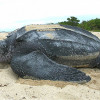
[[85, 25], [73, 21], [97, 22], [63, 23], [93, 24]]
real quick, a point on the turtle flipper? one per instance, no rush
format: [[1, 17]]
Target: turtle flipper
[[38, 65]]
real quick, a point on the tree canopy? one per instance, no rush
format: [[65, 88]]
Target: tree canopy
[[93, 24], [73, 21]]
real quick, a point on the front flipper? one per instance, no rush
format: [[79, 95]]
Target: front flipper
[[38, 65]]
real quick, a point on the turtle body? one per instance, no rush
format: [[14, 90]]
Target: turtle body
[[50, 51]]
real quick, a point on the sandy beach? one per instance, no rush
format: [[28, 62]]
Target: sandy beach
[[14, 88]]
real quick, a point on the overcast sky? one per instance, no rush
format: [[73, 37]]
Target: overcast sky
[[16, 13]]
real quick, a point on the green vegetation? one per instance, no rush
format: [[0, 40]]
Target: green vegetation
[[91, 25], [73, 21]]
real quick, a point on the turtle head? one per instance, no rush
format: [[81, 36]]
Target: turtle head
[[5, 51]]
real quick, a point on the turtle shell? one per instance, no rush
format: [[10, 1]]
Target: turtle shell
[[67, 45]]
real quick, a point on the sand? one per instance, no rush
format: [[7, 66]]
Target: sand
[[14, 88], [3, 35]]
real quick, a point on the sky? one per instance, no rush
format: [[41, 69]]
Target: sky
[[17, 13]]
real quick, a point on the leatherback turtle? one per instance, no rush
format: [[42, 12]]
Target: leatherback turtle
[[49, 51]]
